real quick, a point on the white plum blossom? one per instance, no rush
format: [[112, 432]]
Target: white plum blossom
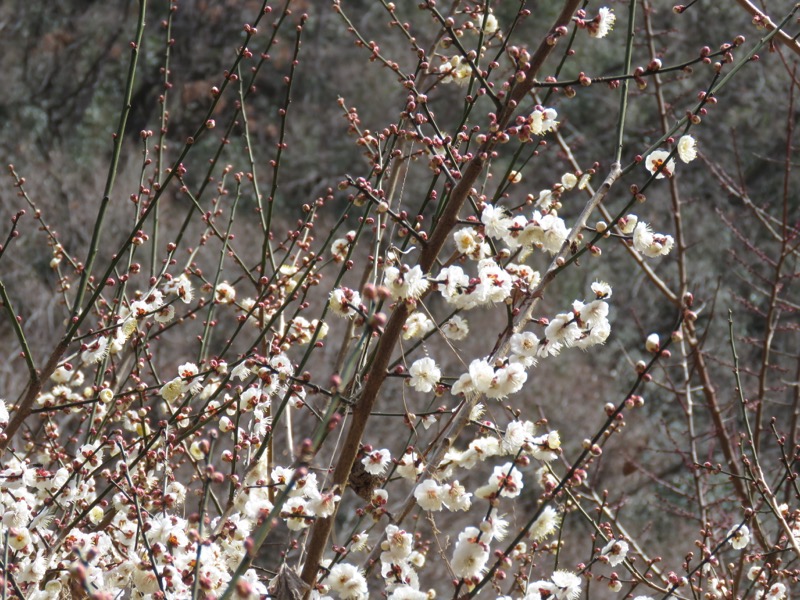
[[506, 481], [740, 537], [687, 148], [602, 24], [777, 591], [417, 325], [430, 495], [568, 585], [376, 461], [322, 504], [656, 160], [344, 301], [478, 378], [4, 416], [490, 24], [597, 334], [525, 345], [542, 120], [563, 329], [341, 246], [515, 228], [569, 181], [545, 525], [507, 380], [547, 231], [651, 244], [627, 224], [224, 293], [517, 434], [470, 554], [495, 221], [495, 283], [409, 465], [453, 283], [652, 343], [601, 290], [456, 328], [95, 351], [546, 447], [407, 592], [181, 287], [456, 497], [296, 513], [241, 371], [172, 390], [495, 527], [615, 551], [592, 313], [466, 240], [545, 198], [424, 375], [348, 581], [405, 283], [455, 70], [397, 546]]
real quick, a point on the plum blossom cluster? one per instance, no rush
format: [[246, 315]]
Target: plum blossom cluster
[[105, 553], [456, 68], [103, 542]]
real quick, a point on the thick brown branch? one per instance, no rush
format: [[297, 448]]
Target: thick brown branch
[[763, 19], [394, 327]]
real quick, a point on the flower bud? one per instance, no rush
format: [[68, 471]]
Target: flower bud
[[652, 343]]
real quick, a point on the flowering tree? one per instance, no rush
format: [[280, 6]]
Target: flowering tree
[[360, 392]]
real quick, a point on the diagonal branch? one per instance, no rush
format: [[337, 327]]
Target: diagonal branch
[[394, 327]]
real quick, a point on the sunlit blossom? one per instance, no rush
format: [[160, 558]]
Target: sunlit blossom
[[656, 162]]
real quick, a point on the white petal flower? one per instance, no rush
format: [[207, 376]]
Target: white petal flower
[[563, 329], [602, 24], [348, 581], [542, 120], [469, 556], [495, 221], [568, 585], [687, 148], [628, 224], [343, 302], [409, 465], [507, 480], [424, 375], [545, 525], [397, 546], [225, 293], [658, 160], [456, 497], [615, 551], [456, 328], [376, 462], [601, 290], [569, 181], [417, 325], [405, 283], [430, 495], [740, 537], [467, 240]]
